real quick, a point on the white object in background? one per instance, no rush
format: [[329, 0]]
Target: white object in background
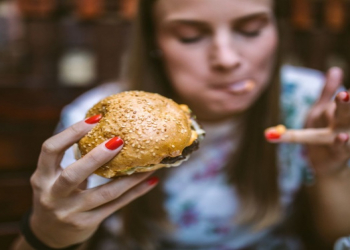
[[342, 244], [77, 67]]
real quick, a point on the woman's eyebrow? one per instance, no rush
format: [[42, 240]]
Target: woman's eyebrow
[[188, 22], [245, 19]]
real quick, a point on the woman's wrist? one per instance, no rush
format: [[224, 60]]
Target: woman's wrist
[[38, 243]]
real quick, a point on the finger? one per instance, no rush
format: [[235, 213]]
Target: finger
[[320, 116], [330, 158], [340, 150], [342, 111], [104, 211], [323, 136], [334, 79], [101, 195], [340, 142], [53, 148], [72, 176]]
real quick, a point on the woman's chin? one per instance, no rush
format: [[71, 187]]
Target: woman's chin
[[220, 114]]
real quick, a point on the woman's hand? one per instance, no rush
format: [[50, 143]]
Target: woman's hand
[[64, 213], [327, 128], [334, 115]]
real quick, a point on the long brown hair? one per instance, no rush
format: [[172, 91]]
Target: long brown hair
[[252, 170]]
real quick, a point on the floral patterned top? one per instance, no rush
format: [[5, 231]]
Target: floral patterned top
[[200, 203]]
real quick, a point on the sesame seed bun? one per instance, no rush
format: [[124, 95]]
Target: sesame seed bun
[[152, 127]]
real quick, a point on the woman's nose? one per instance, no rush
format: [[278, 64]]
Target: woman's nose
[[224, 55]]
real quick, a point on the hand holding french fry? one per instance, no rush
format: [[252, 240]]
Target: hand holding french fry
[[327, 129]]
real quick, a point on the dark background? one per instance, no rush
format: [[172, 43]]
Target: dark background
[[40, 40]]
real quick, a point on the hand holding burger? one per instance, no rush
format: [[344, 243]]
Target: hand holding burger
[[157, 132]]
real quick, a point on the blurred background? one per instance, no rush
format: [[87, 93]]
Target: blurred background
[[51, 51]]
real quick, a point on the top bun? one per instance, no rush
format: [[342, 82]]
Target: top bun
[[152, 127]]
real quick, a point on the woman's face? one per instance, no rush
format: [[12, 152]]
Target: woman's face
[[219, 54]]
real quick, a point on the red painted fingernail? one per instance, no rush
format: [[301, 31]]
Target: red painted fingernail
[[93, 119], [114, 143], [272, 135], [344, 96], [153, 181]]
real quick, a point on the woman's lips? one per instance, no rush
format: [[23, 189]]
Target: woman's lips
[[240, 87]]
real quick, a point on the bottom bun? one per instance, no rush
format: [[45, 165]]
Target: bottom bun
[[109, 173]]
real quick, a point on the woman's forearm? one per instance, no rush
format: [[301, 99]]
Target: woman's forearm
[[330, 205]]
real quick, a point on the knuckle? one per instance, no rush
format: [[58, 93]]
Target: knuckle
[[48, 147], [34, 182], [46, 204], [76, 129], [68, 177], [93, 158], [107, 194]]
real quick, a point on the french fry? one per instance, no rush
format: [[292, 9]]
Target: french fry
[[321, 136]]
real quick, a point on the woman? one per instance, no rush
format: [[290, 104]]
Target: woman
[[220, 58]]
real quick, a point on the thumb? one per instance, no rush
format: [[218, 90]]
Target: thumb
[[334, 79]]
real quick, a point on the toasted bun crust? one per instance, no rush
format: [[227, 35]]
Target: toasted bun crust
[[152, 127]]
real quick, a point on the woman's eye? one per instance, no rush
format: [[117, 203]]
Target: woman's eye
[[254, 33], [190, 39]]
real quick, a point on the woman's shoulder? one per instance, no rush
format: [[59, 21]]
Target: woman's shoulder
[[297, 74], [76, 110], [303, 78]]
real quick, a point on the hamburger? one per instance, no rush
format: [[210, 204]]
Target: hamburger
[[157, 132]]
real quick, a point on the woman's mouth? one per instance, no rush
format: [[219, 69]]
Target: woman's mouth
[[237, 88]]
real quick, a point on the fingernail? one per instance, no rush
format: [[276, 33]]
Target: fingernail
[[344, 137], [272, 135], [336, 71], [152, 181], [93, 119], [114, 143], [344, 96]]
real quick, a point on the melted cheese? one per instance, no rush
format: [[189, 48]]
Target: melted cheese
[[194, 136], [185, 108]]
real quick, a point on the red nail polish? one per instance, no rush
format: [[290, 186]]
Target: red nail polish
[[345, 96], [272, 135], [114, 143], [93, 119], [153, 181]]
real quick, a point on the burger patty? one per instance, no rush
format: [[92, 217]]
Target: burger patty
[[188, 150]]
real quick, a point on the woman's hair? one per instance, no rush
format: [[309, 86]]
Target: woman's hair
[[253, 168]]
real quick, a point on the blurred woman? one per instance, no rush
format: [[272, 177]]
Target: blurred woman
[[222, 59]]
